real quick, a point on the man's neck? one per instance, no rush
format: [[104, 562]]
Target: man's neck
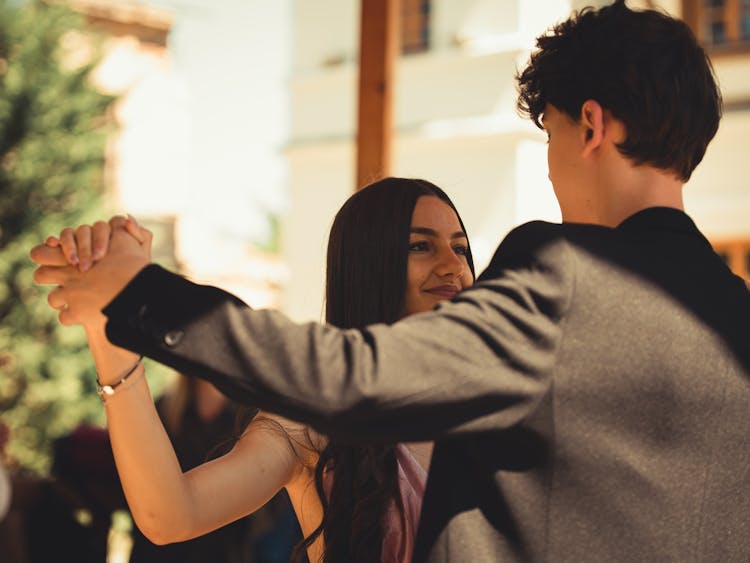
[[632, 189], [660, 192]]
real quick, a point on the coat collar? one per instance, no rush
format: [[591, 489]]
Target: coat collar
[[660, 218]]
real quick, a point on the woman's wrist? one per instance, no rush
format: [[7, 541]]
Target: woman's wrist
[[121, 383], [111, 361]]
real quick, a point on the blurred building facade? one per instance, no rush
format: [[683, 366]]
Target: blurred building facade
[[456, 122], [240, 115], [146, 155], [718, 195], [201, 118]]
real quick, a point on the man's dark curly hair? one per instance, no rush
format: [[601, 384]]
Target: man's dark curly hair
[[645, 67]]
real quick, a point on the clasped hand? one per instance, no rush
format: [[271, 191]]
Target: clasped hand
[[90, 266]]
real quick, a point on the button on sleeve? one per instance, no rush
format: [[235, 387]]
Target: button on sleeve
[[173, 337]]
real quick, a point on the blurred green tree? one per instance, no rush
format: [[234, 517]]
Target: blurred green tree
[[53, 133]]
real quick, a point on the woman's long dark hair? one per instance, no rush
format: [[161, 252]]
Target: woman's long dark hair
[[365, 284]]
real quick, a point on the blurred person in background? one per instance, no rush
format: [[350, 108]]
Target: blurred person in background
[[47, 520], [5, 490]]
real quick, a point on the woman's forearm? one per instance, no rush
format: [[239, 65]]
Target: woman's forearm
[[151, 476], [167, 504]]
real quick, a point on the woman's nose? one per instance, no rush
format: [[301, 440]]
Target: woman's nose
[[450, 263]]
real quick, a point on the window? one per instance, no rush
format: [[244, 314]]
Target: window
[[736, 253], [720, 25], [415, 26]]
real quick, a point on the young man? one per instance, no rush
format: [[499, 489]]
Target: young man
[[588, 397]]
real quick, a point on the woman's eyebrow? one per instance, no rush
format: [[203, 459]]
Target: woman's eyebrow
[[433, 232]]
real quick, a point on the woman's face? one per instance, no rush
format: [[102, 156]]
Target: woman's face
[[437, 268]]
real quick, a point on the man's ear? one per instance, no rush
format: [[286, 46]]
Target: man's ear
[[592, 126]]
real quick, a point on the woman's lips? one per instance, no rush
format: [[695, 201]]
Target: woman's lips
[[443, 291]]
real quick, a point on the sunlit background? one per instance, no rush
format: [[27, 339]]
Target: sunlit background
[[228, 128], [238, 122]]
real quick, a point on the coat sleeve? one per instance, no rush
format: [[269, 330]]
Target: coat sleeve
[[481, 362]]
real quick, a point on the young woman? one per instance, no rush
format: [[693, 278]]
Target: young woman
[[396, 248]]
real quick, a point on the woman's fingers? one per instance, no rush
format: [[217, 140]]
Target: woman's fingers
[[134, 229], [46, 255], [76, 245], [55, 275], [100, 233], [87, 243], [117, 222], [83, 244], [56, 299], [141, 234], [68, 244]]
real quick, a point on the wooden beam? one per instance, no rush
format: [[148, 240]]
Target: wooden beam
[[378, 49]]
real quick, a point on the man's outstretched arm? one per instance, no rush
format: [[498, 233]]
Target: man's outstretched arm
[[481, 362]]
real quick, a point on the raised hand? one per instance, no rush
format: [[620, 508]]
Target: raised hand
[[81, 295], [84, 245]]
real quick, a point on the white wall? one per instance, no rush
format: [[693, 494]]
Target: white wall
[[718, 194], [203, 134], [455, 118], [234, 57], [321, 178]]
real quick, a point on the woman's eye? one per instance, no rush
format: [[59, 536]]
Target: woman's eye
[[419, 246], [461, 250]]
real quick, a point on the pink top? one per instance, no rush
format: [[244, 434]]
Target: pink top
[[398, 536], [398, 539]]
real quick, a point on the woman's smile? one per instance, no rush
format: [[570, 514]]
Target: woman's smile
[[447, 291]]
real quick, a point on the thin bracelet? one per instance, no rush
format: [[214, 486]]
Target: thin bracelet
[[107, 390]]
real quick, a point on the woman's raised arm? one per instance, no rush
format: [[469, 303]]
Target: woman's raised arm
[[167, 505]]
